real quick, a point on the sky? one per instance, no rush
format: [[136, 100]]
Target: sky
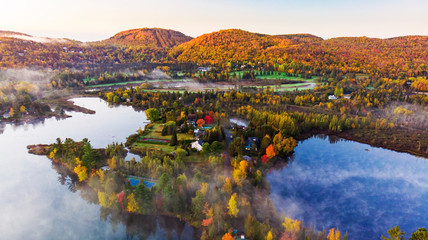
[[93, 20]]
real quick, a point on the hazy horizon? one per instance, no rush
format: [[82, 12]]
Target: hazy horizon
[[98, 20], [42, 36]]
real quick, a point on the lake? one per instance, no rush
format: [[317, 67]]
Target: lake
[[357, 188], [39, 202], [328, 183]]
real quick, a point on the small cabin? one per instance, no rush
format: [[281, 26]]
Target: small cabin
[[198, 145], [252, 143], [204, 69], [247, 158]]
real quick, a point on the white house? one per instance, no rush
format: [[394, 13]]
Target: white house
[[332, 97], [198, 145]]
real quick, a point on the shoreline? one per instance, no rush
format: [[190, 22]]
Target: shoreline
[[65, 103]]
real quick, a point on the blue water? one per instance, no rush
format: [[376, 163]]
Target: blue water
[[357, 188]]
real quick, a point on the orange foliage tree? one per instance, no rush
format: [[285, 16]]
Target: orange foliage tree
[[200, 122], [227, 236], [270, 152]]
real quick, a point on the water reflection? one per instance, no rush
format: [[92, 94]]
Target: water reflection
[[45, 204], [358, 188], [136, 226]]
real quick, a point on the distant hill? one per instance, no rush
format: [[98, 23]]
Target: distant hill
[[149, 37], [228, 45], [26, 37], [11, 33]]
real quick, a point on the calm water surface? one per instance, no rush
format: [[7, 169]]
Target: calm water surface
[[354, 187], [34, 203]]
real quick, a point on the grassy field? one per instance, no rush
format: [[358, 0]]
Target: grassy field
[[279, 75], [136, 82], [156, 133], [165, 148], [289, 87]]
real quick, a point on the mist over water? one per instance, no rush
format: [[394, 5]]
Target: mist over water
[[35, 205], [357, 188]]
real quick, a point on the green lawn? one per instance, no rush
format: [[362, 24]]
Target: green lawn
[[156, 133], [136, 82], [280, 76], [184, 136], [288, 87], [165, 148], [195, 158]]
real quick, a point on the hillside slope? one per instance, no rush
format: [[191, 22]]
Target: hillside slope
[[228, 46], [149, 37]]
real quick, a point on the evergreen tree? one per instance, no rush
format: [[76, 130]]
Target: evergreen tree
[[173, 139]]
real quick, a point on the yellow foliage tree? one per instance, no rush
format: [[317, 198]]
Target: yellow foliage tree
[[22, 109], [333, 234], [283, 145], [269, 236], [11, 112], [111, 163], [291, 225], [81, 170], [233, 206], [227, 187], [52, 154], [240, 172], [204, 188], [132, 203]]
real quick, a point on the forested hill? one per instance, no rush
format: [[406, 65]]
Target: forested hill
[[228, 50], [127, 47], [304, 53], [231, 45], [149, 37]]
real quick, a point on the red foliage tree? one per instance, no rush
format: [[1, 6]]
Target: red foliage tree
[[208, 120], [264, 159]]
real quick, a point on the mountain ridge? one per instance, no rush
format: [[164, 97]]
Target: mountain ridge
[[151, 37]]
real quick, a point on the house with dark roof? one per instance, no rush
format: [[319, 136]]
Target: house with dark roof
[[252, 143]]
